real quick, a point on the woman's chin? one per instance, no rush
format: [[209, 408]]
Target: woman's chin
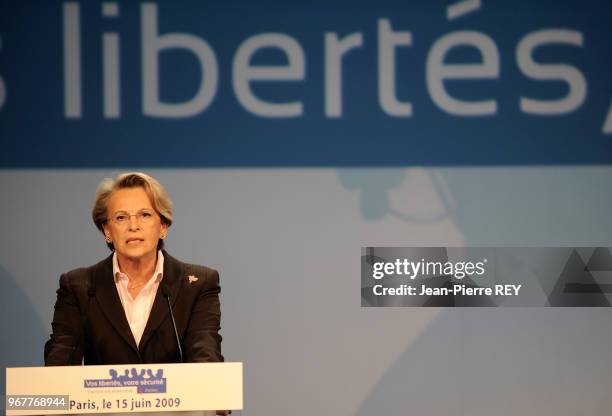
[[136, 252]]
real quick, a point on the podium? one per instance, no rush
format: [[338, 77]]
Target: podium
[[129, 389]]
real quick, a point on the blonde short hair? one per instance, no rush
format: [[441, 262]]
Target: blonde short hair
[[155, 191]]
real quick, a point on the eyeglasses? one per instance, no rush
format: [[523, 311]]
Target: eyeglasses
[[123, 218]]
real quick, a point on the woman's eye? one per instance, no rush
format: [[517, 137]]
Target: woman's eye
[[121, 218], [146, 214]]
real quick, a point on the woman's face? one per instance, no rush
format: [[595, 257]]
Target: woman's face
[[133, 225]]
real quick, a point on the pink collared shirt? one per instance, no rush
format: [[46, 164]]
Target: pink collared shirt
[[137, 310]]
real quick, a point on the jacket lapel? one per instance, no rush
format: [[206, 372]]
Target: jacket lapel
[[109, 301], [173, 273]]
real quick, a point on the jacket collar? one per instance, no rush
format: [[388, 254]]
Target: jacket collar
[[110, 303]]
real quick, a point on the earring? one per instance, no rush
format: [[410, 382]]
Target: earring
[[108, 239], [162, 236]]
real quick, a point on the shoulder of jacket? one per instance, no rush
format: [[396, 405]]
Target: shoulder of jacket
[[199, 269], [201, 276], [81, 276]]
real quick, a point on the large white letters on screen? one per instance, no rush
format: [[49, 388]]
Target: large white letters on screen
[[387, 41], [111, 73], [607, 128], [335, 49], [72, 61], [2, 86], [438, 72], [244, 73], [112, 96], [2, 93], [152, 45], [572, 76]]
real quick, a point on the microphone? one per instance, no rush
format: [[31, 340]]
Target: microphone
[[166, 293]]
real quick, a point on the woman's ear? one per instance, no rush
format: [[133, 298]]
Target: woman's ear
[[107, 235]]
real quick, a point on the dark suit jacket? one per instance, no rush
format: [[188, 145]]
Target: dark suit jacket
[[89, 323]]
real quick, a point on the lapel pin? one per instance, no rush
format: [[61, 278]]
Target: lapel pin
[[192, 278]]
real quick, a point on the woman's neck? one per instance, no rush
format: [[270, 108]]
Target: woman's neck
[[137, 269]]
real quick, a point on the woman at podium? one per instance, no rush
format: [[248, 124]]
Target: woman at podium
[[140, 304]]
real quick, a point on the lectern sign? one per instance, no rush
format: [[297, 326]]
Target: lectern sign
[[123, 388], [143, 380]]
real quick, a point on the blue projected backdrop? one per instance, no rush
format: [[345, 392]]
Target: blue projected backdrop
[[208, 84]]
